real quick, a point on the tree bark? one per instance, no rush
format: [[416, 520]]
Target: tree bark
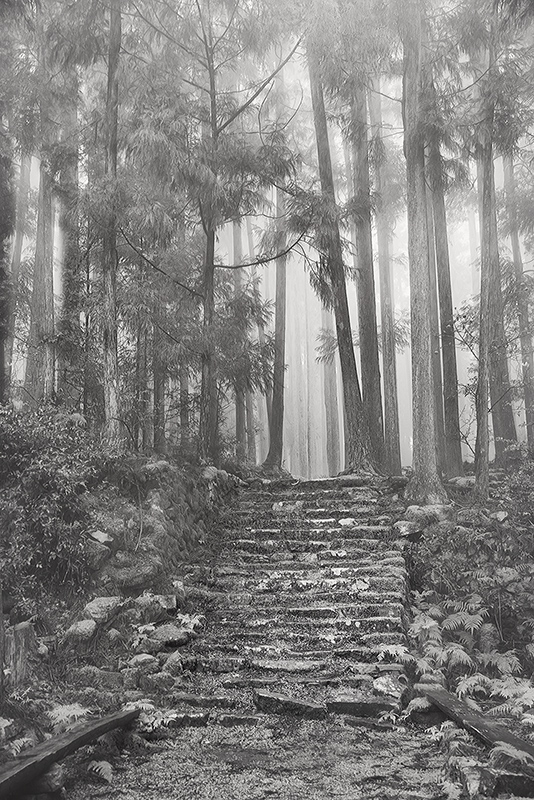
[[358, 454], [7, 221], [16, 260], [453, 447], [184, 407], [140, 427], [208, 429], [240, 407], [484, 173], [523, 313], [251, 429], [40, 364], [435, 340], [387, 306], [500, 390], [425, 485], [261, 329], [333, 454], [112, 432], [276, 428], [365, 281], [159, 376], [70, 334]]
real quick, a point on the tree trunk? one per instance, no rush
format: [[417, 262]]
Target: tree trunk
[[365, 281], [453, 447], [140, 427], [208, 429], [261, 329], [333, 454], [7, 221], [251, 430], [16, 260], [435, 341], [484, 173], [112, 433], [425, 485], [70, 333], [358, 454], [276, 431], [387, 306], [240, 407], [184, 407], [523, 313], [40, 364], [500, 390], [159, 375]]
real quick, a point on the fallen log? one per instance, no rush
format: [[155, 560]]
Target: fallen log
[[476, 723], [30, 764]]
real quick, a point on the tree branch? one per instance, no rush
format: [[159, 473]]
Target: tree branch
[[257, 262], [258, 91], [150, 263]]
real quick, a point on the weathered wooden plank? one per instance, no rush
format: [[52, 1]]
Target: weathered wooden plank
[[489, 730], [33, 763]]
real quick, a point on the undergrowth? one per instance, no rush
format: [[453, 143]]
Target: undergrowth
[[473, 601]]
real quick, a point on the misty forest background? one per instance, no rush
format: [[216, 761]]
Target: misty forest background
[[264, 232]]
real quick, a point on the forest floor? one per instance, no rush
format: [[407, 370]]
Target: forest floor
[[283, 758]]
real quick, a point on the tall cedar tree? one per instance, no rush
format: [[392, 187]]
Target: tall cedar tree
[[365, 281], [425, 485], [276, 428], [113, 433], [387, 310], [358, 453], [523, 311]]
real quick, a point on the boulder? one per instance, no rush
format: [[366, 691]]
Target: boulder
[[102, 609], [101, 536], [133, 570], [408, 530], [168, 635], [145, 663], [174, 664], [427, 515], [81, 632], [159, 681], [472, 517], [97, 554]]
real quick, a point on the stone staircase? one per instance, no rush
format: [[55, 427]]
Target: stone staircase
[[310, 620]]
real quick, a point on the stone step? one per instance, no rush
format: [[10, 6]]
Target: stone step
[[340, 523], [273, 510], [352, 593], [322, 558], [278, 583], [313, 611], [327, 566], [296, 547], [284, 640], [267, 630], [377, 532]]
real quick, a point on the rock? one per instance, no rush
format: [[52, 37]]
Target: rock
[[144, 663], [284, 507], [360, 704], [81, 632], [179, 591], [281, 704], [427, 515], [8, 729], [232, 720], [500, 516], [159, 681], [97, 554], [130, 678], [189, 719], [88, 675], [347, 522], [102, 609], [101, 536], [133, 570], [174, 664], [466, 482], [472, 517], [168, 635], [408, 530]]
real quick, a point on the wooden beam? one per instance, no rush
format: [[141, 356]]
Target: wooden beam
[[30, 764], [478, 724]]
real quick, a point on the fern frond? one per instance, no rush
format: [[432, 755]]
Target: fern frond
[[103, 769]]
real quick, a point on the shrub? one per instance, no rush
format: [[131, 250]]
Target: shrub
[[47, 461]]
